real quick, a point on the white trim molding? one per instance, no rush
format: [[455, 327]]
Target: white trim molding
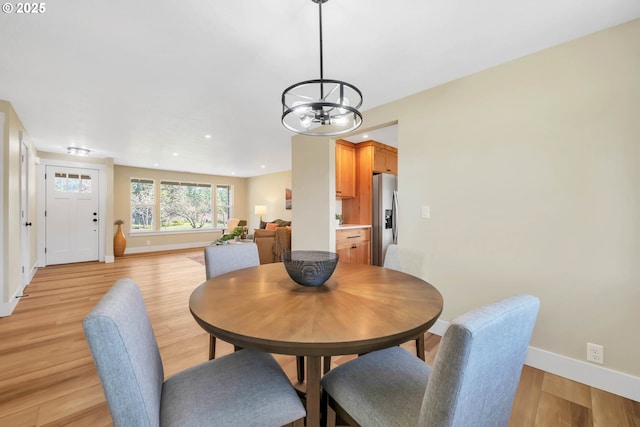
[[160, 248], [599, 377]]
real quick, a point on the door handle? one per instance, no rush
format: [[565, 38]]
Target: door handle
[[95, 220], [28, 224]]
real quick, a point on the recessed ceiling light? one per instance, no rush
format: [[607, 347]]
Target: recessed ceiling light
[[263, 166], [156, 164], [175, 154], [78, 151], [365, 136], [207, 136]]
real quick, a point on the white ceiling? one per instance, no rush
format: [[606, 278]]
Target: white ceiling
[[139, 80]]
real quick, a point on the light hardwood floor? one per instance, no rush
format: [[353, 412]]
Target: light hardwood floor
[[47, 376]]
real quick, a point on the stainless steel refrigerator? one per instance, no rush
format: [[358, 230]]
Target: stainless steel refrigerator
[[384, 229]]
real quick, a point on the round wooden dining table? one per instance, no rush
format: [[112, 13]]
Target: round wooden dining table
[[360, 308]]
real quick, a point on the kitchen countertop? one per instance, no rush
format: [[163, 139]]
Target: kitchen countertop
[[350, 226]]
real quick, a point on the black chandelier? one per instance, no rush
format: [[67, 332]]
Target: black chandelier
[[322, 106]]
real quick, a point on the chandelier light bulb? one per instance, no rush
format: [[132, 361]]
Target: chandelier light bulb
[[339, 120]]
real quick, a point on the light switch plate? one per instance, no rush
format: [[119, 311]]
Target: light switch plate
[[426, 212]]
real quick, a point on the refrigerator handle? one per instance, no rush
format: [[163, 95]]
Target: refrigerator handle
[[394, 215]]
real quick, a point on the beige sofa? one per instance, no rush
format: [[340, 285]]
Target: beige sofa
[[272, 243]]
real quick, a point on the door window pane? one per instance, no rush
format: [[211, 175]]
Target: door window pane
[[73, 183], [61, 182], [85, 184]]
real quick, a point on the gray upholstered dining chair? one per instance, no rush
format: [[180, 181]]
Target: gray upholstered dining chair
[[243, 388], [472, 383], [392, 261], [221, 259], [392, 258]]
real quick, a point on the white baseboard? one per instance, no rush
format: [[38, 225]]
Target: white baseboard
[[439, 328], [109, 259], [6, 308], [599, 377], [143, 249], [606, 379]]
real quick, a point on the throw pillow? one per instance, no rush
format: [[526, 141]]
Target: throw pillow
[[271, 226]]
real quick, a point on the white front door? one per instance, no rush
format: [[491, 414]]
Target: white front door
[[71, 215]]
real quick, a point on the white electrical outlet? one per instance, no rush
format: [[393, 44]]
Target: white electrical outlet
[[595, 353]]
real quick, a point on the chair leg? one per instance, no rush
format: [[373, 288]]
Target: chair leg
[[212, 347], [420, 346], [327, 364], [298, 423], [300, 366], [331, 416]]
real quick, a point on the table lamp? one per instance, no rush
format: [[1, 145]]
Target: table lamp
[[261, 210]]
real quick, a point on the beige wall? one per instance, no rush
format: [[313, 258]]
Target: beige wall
[[314, 182], [532, 173], [268, 190], [10, 217], [122, 176]]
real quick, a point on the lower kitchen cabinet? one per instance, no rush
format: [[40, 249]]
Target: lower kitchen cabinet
[[353, 245]]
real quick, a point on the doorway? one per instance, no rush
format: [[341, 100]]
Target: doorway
[[71, 215], [25, 221]]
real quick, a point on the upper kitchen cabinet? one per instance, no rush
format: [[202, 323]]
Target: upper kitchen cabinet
[[357, 210], [385, 159], [345, 169]]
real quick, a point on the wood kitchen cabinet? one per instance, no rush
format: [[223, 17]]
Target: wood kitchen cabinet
[[345, 169], [357, 210], [385, 160], [353, 245]]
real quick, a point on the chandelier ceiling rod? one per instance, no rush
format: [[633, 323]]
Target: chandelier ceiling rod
[[321, 49]]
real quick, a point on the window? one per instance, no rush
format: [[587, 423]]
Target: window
[[185, 206], [72, 183], [224, 205], [142, 204]]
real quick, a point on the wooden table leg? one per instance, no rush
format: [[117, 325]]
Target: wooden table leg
[[313, 390]]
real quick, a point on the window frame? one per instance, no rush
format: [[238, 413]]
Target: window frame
[[156, 210], [151, 207], [229, 206], [212, 227]]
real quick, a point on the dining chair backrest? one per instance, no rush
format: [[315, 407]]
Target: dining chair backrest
[[478, 365], [392, 258], [126, 355], [220, 259]]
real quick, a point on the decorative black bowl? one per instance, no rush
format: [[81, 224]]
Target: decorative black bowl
[[310, 268]]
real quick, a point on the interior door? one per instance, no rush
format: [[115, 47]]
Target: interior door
[[71, 215], [25, 221]]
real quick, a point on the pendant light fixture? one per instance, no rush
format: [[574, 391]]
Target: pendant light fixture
[[321, 107]]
